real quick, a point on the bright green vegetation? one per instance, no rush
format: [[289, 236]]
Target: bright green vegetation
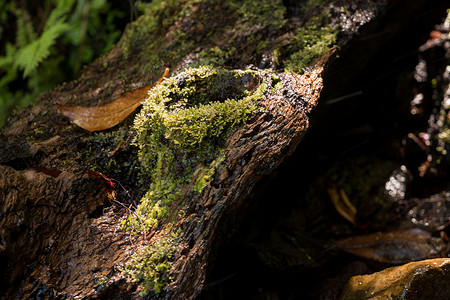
[[180, 132], [48, 44], [183, 124], [150, 265]]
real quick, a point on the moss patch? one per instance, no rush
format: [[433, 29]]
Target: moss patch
[[250, 35], [311, 40], [192, 33], [180, 133], [150, 265], [197, 32]]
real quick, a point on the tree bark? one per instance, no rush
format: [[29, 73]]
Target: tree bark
[[61, 235]]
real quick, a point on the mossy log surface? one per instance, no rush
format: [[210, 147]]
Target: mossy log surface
[[61, 234]]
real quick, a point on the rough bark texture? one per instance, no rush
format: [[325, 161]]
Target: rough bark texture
[[60, 236], [252, 152]]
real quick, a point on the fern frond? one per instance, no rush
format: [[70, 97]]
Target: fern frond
[[29, 57], [59, 13], [25, 32]]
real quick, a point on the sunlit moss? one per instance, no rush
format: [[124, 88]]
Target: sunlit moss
[[311, 41], [150, 265], [180, 133]]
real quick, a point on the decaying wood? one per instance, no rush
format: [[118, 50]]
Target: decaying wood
[[59, 235], [252, 152]]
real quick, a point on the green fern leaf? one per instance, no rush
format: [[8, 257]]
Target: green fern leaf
[[25, 32], [29, 57], [63, 7]]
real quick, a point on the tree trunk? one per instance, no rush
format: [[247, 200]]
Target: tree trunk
[[61, 229]]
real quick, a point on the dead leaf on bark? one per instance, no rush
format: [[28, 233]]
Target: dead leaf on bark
[[397, 246], [341, 203], [106, 116]]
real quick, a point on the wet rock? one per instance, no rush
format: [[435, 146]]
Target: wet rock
[[427, 279]]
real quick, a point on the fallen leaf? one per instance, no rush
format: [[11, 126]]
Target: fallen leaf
[[106, 116], [397, 246], [341, 203]]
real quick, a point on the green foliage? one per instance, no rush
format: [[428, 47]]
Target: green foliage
[[150, 265], [30, 56], [32, 50], [49, 48], [180, 131]]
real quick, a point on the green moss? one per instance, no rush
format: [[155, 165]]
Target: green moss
[[155, 39], [204, 175], [38, 131], [171, 31], [265, 13], [108, 141], [150, 265], [216, 56], [184, 123], [257, 23], [180, 133], [311, 41]]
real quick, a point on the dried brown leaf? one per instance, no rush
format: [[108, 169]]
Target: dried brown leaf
[[397, 246], [106, 116], [341, 203]]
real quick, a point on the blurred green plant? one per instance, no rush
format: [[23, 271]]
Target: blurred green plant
[[43, 44]]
